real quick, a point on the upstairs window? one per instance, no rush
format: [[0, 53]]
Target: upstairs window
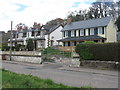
[[69, 33], [72, 33], [82, 32], [92, 31], [95, 31], [66, 34], [63, 34], [24, 34], [33, 33]]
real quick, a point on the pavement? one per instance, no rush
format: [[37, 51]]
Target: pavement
[[70, 76], [75, 69], [90, 70]]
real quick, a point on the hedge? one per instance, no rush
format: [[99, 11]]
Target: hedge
[[106, 52], [102, 52]]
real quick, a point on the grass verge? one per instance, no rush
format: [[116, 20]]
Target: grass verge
[[14, 80]]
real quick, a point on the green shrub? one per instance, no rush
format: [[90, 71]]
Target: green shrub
[[17, 47], [99, 51], [84, 51], [106, 52], [30, 45], [51, 51], [5, 48]]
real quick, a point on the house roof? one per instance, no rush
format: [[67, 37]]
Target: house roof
[[52, 28], [87, 24], [81, 38], [36, 38]]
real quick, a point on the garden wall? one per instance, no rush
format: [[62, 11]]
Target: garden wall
[[30, 59], [108, 65]]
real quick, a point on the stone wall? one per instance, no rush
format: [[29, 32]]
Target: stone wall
[[30, 59], [109, 65], [23, 53]]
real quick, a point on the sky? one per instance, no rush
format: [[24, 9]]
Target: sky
[[40, 11]]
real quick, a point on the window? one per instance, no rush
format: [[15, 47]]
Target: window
[[13, 36], [69, 33], [38, 33], [89, 31], [63, 34], [92, 31], [66, 43], [82, 32], [66, 34], [101, 30], [24, 34], [32, 33], [74, 43], [17, 35], [72, 33], [95, 31], [40, 44]]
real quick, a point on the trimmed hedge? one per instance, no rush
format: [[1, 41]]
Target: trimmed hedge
[[106, 52], [102, 52]]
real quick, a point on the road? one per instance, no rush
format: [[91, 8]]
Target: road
[[71, 78]]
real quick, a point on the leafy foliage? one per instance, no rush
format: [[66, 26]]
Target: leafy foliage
[[17, 47], [84, 50], [103, 52], [30, 45]]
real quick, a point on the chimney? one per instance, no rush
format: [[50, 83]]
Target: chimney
[[69, 20]]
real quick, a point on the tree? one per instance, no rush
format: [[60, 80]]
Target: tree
[[118, 23], [30, 45]]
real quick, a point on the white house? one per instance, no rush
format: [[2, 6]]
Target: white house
[[52, 35]]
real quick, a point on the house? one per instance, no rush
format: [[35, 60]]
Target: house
[[101, 30], [22, 35], [52, 35], [43, 36]]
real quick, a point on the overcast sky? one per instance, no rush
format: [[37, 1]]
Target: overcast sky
[[41, 11]]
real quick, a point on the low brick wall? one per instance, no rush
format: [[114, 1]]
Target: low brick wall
[[30, 59], [109, 65]]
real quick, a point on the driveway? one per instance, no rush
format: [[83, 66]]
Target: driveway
[[66, 77]]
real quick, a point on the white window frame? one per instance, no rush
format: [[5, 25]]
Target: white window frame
[[82, 32], [92, 31], [100, 31], [66, 33], [72, 33]]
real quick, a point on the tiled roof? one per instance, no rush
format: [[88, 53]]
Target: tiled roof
[[81, 38], [87, 24]]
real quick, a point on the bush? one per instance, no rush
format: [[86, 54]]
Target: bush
[[102, 52], [17, 47], [84, 51], [51, 51], [5, 48], [106, 52], [30, 45]]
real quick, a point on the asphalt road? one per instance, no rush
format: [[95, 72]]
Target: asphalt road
[[71, 78]]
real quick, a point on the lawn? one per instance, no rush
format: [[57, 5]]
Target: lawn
[[13, 80]]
